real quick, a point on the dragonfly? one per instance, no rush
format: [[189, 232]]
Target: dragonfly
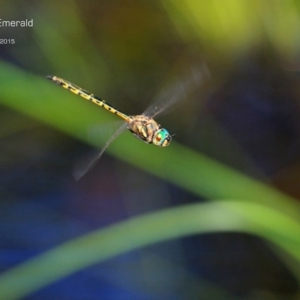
[[143, 126]]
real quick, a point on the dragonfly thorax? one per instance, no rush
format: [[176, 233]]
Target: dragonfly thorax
[[149, 131]]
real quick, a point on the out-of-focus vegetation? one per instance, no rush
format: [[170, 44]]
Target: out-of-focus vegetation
[[140, 232], [126, 52], [239, 27]]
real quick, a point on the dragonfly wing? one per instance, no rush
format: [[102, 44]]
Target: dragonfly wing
[[87, 163], [100, 133], [179, 90]]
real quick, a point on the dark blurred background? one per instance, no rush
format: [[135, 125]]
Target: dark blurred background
[[244, 114]]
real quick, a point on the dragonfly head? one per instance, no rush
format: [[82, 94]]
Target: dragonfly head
[[162, 138]]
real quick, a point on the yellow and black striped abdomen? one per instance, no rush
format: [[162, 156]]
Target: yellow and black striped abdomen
[[88, 96]]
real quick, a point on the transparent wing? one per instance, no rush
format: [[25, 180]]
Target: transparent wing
[[100, 133], [179, 90], [88, 162]]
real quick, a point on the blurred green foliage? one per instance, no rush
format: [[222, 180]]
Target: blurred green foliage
[[142, 231], [237, 27], [103, 49]]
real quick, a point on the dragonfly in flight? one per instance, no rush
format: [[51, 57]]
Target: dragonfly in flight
[[143, 126]]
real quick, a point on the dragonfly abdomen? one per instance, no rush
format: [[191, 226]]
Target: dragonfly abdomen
[[88, 96]]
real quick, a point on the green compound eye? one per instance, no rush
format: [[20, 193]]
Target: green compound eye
[[162, 138]]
